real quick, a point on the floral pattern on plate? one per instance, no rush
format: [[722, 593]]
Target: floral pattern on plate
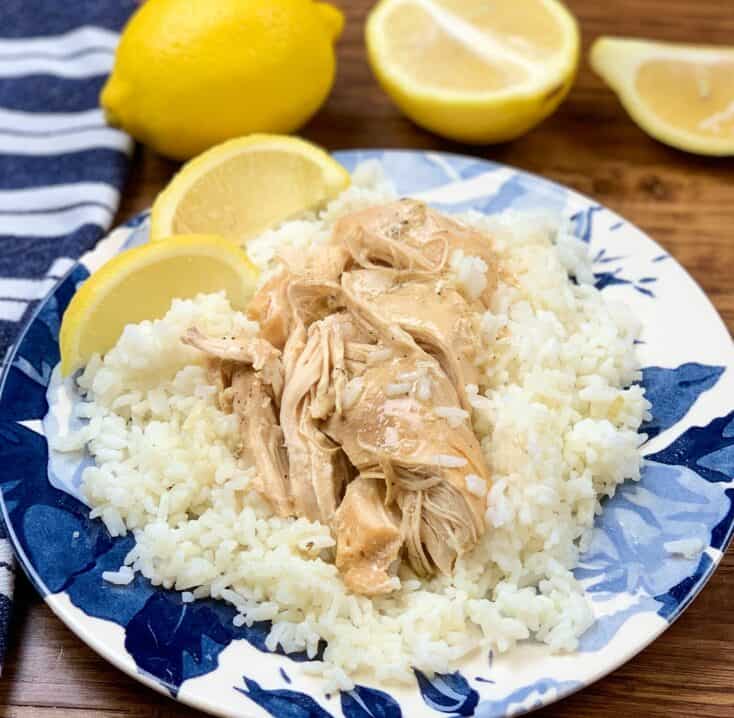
[[634, 574]]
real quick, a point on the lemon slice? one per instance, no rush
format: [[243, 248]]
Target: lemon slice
[[242, 187], [141, 283], [682, 95], [471, 71]]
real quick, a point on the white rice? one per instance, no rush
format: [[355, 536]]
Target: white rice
[[424, 388], [476, 484], [556, 412], [123, 577], [379, 355], [452, 414], [397, 389], [352, 391], [448, 461], [471, 274]]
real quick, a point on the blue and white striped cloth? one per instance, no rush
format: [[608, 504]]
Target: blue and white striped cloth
[[61, 167]]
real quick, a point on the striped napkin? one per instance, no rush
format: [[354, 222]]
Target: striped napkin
[[61, 167]]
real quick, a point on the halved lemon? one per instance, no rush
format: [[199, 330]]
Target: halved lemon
[[141, 283], [474, 71], [682, 95], [243, 186]]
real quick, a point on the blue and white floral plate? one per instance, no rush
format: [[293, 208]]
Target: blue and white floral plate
[[637, 586]]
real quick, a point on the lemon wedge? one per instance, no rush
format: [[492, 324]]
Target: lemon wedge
[[243, 186], [140, 284], [683, 95], [471, 71]]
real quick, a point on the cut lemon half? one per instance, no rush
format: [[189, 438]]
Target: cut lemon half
[[682, 95], [141, 283], [471, 71], [243, 186]]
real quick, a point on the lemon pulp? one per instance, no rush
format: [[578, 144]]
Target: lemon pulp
[[682, 95], [479, 72]]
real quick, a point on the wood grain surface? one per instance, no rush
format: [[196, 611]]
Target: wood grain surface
[[685, 202]]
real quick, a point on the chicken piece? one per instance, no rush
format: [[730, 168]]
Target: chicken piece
[[262, 438], [437, 528], [251, 350], [393, 431], [219, 373], [311, 300], [378, 345], [315, 378], [410, 236], [322, 263], [270, 308], [285, 303], [248, 374], [437, 318], [275, 304], [402, 235], [368, 538]]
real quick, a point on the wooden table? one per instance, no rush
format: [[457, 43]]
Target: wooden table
[[684, 202]]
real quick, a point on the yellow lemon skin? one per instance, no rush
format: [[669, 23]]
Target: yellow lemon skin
[[476, 121], [190, 74], [141, 283]]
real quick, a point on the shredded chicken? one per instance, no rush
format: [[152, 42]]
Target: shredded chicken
[[368, 538], [258, 353], [302, 275], [248, 374], [422, 460], [437, 318], [262, 438], [315, 377], [409, 236], [352, 399], [270, 308]]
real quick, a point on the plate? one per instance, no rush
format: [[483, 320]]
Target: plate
[[636, 585]]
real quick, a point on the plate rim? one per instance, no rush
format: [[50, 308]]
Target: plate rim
[[204, 703]]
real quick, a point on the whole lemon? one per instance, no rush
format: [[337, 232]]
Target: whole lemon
[[190, 74]]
